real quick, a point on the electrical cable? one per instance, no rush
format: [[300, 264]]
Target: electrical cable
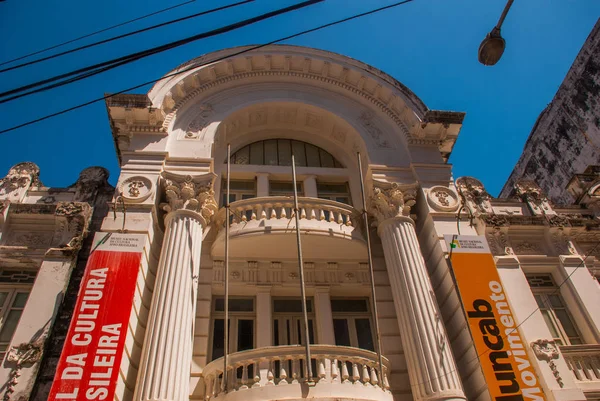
[[97, 32], [161, 48], [583, 260], [81, 105], [125, 35]]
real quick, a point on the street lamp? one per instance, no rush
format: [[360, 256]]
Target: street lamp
[[492, 47]]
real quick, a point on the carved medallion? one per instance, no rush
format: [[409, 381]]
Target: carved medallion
[[442, 199], [136, 188]]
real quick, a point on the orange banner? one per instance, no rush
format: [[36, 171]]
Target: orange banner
[[502, 353]]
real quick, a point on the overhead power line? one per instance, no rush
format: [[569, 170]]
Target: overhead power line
[[97, 32], [81, 105], [100, 42], [107, 65]]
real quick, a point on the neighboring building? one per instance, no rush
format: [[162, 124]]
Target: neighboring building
[[325, 108], [566, 136]]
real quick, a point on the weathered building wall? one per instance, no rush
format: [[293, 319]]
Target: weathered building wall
[[566, 136]]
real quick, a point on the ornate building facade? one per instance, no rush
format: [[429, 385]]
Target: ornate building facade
[[323, 108]]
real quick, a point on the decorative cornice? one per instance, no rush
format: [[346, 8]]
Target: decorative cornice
[[190, 193], [391, 200]]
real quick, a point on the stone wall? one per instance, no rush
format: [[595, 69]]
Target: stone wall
[[566, 137]]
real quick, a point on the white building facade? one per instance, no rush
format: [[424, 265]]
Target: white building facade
[[323, 108]]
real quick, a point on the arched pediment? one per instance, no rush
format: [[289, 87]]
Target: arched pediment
[[194, 99], [320, 70]]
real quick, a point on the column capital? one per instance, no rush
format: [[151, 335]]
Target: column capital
[[390, 200], [192, 193]]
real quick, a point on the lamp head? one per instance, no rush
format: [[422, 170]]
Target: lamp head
[[491, 48]]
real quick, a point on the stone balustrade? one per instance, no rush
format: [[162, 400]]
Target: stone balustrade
[[281, 207], [272, 373], [584, 362], [321, 220]]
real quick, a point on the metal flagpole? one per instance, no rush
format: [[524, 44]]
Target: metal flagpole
[[226, 322], [309, 373], [370, 255]]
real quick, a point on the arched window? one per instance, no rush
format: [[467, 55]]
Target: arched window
[[278, 152]]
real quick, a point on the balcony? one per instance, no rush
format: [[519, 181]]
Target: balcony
[[584, 363], [274, 373], [261, 225]]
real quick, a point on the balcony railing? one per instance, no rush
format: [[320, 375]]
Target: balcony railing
[[273, 373], [320, 220], [584, 362], [280, 207]]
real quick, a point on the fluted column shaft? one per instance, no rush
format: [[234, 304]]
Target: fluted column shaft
[[164, 372], [431, 367]]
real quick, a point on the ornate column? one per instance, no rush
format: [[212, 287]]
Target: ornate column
[[164, 372], [431, 367]]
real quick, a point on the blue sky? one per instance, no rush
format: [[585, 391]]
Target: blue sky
[[429, 45]]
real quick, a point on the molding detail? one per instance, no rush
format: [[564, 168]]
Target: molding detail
[[136, 189], [190, 193], [442, 199], [546, 350], [392, 200], [474, 195]]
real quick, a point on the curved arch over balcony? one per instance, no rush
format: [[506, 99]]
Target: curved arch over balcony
[[260, 225]]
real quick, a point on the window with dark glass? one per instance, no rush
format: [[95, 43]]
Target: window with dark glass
[[241, 325], [12, 303], [352, 323], [278, 152], [338, 192], [238, 190], [554, 310]]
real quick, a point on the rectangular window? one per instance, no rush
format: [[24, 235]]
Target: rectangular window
[[12, 303], [280, 188], [241, 325], [338, 192], [352, 323], [238, 190], [554, 310]]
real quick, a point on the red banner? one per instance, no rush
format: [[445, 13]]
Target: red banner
[[88, 368]]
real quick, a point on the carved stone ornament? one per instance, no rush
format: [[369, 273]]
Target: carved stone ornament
[[442, 199], [367, 120], [89, 182], [560, 220], [546, 350], [527, 248], [392, 200], [20, 176], [69, 209], [495, 220], [498, 241], [475, 195], [532, 194], [199, 122], [136, 189], [23, 354], [190, 193]]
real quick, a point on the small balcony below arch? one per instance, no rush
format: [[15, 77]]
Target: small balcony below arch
[[259, 225]]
